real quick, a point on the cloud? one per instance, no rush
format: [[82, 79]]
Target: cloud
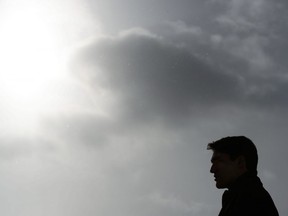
[[13, 148], [148, 76], [152, 78], [78, 129], [224, 48], [181, 27], [252, 31], [176, 203], [242, 15]]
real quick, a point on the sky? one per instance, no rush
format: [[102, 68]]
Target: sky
[[107, 107]]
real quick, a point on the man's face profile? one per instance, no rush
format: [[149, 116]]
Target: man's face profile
[[225, 170]]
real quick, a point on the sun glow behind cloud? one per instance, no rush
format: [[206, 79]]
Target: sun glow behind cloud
[[33, 62]]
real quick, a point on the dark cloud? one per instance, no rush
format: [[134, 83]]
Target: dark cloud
[[264, 19], [269, 93], [153, 78], [157, 77]]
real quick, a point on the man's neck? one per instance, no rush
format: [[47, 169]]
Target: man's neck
[[241, 178]]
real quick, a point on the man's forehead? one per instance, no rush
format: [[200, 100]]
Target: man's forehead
[[219, 155]]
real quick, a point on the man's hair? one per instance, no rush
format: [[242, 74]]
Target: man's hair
[[236, 146]]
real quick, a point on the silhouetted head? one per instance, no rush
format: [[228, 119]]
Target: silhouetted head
[[232, 157]]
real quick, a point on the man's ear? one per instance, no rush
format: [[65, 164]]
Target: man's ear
[[241, 161]]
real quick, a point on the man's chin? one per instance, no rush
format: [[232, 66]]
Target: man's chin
[[220, 186]]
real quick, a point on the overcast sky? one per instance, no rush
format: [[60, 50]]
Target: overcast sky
[[107, 107]]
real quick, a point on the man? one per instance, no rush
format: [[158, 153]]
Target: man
[[234, 165]]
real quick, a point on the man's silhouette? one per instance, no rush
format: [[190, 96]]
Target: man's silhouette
[[234, 165]]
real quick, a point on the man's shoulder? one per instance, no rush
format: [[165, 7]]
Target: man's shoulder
[[255, 193], [256, 199], [255, 190]]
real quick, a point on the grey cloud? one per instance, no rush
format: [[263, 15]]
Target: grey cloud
[[256, 57], [263, 20], [11, 148], [187, 65], [145, 13], [79, 129], [154, 77], [269, 93], [223, 50], [16, 147]]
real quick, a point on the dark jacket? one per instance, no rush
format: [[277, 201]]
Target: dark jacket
[[247, 197]]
